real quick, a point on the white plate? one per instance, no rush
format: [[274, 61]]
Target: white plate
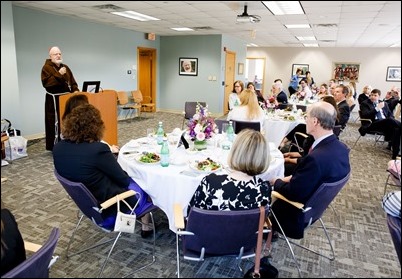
[[138, 159], [194, 166]]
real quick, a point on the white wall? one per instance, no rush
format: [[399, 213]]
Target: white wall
[[373, 64]]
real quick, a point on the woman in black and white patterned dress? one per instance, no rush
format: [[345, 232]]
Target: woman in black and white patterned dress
[[241, 189]]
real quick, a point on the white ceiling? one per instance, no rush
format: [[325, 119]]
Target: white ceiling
[[351, 23]]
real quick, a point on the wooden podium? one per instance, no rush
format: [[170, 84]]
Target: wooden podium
[[106, 102]]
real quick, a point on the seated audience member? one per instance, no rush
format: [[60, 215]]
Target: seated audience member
[[365, 95], [305, 92], [238, 87], [309, 79], [392, 98], [327, 161], [391, 203], [279, 94], [12, 244], [349, 97], [249, 110], [341, 91], [331, 86], [260, 98], [240, 189], [353, 86], [82, 99], [382, 120], [82, 157], [323, 91]]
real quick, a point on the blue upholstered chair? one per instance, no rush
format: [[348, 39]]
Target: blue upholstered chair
[[212, 233], [90, 208], [38, 264]]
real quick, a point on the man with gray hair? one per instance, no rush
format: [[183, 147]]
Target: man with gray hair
[[327, 161]]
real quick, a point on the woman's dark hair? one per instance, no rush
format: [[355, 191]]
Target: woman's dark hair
[[83, 124], [330, 99], [73, 102]]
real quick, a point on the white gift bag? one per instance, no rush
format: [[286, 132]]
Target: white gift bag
[[16, 147]]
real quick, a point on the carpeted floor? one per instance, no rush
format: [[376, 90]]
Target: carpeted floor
[[362, 242]]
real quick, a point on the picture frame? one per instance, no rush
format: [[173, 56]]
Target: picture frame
[[303, 67], [91, 86], [188, 66], [346, 71], [393, 73], [240, 68]]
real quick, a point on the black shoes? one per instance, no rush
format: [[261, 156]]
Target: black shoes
[[146, 234], [362, 131]]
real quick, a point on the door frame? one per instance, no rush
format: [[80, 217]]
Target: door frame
[[153, 80]]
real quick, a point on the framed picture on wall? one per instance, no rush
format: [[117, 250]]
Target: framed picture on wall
[[393, 73], [303, 67], [188, 66], [346, 71], [240, 68]]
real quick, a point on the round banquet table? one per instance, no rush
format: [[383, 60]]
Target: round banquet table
[[178, 182]]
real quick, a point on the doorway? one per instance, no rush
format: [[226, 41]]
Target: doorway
[[255, 72], [146, 82], [230, 63]]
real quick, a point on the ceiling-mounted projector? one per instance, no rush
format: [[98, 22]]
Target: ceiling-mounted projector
[[245, 17]]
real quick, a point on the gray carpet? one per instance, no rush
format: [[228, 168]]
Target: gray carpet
[[362, 243]]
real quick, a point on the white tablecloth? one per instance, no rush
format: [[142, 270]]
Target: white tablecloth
[[166, 185], [276, 128]]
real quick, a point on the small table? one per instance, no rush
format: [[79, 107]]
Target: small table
[[177, 183]]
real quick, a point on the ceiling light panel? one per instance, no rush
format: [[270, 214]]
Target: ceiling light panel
[[298, 26], [306, 38], [284, 7], [135, 15]]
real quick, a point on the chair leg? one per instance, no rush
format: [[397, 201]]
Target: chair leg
[[332, 257], [108, 256], [386, 184], [353, 147], [288, 243]]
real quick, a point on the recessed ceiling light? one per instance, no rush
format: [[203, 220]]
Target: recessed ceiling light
[[294, 26], [135, 15], [284, 7], [310, 38], [181, 29], [310, 45]]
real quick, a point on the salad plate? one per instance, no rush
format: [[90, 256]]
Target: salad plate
[[148, 158], [205, 166]]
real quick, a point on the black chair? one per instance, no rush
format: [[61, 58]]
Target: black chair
[[365, 123], [90, 208], [240, 125], [312, 210], [303, 108], [285, 106], [213, 233], [190, 109], [38, 264]]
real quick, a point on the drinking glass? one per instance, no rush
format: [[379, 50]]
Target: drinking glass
[[224, 129], [150, 133]]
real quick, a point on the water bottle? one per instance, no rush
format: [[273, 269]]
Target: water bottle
[[165, 153], [294, 109], [160, 133], [230, 132]]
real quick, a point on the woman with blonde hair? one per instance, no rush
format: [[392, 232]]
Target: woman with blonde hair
[[249, 110], [241, 188]]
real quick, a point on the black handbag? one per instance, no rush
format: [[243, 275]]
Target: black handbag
[[262, 267]]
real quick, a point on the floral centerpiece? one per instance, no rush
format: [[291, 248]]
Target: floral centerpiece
[[201, 127]]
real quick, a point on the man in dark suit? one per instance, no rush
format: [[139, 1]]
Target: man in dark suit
[[341, 91], [382, 120], [328, 161]]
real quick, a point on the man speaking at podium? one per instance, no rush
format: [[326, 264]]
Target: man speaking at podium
[[57, 78]]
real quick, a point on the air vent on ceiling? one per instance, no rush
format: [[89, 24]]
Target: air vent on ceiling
[[108, 8], [202, 28], [326, 25]]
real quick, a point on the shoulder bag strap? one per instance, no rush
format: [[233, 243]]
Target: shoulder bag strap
[[259, 241]]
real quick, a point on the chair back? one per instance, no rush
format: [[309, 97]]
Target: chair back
[[322, 198], [303, 108], [221, 232], [284, 106], [394, 226], [337, 130], [37, 265], [82, 197], [122, 97], [190, 108], [240, 125], [137, 96]]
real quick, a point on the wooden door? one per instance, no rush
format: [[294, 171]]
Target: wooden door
[[146, 58], [230, 64]]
